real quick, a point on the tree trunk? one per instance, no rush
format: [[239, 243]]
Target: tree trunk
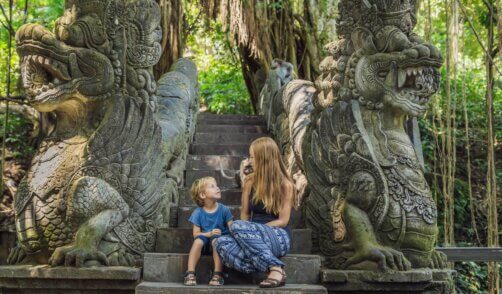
[[491, 182], [6, 117], [173, 42], [448, 142]]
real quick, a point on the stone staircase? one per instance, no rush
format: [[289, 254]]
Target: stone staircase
[[220, 143]]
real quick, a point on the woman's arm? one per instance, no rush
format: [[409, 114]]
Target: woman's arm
[[246, 190], [287, 204]]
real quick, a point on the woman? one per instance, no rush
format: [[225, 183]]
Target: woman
[[262, 236]]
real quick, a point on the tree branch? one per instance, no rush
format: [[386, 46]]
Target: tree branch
[[15, 99], [25, 17], [8, 26], [488, 54]]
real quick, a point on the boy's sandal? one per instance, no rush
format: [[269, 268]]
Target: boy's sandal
[[274, 283], [190, 279], [217, 279]]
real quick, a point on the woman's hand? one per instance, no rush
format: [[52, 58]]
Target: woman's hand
[[245, 170]]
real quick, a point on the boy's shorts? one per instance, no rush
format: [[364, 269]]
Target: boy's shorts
[[208, 248]]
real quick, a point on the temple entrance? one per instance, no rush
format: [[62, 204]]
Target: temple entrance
[[127, 116]]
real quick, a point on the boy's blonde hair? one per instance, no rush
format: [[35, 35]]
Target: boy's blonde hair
[[198, 188]]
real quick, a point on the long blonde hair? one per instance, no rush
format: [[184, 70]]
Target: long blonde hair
[[269, 173]]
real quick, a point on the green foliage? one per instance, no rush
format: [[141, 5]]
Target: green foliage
[[44, 12], [472, 277], [223, 89], [220, 76], [18, 134]]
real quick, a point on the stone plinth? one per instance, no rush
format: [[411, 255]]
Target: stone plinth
[[414, 281], [43, 279], [7, 241]]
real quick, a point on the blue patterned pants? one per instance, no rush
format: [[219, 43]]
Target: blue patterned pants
[[253, 247]]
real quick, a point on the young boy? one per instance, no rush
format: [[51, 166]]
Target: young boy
[[210, 220]]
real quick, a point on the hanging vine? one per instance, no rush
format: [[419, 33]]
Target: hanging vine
[[264, 30]]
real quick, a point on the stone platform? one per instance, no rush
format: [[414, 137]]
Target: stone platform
[[414, 281], [178, 288], [43, 279]]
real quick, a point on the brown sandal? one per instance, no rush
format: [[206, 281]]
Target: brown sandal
[[217, 278], [190, 279], [274, 283]]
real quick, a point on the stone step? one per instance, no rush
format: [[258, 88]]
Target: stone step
[[223, 182], [231, 121], [184, 213], [228, 197], [179, 288], [205, 115], [219, 149], [227, 138], [230, 129], [179, 240], [213, 162], [170, 268]]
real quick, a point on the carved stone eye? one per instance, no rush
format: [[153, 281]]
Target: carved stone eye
[[382, 74]]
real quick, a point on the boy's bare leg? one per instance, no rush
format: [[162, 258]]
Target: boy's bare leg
[[218, 266], [194, 255]]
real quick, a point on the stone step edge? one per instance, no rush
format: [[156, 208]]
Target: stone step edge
[[227, 172], [227, 121], [220, 144], [211, 115], [153, 287], [194, 157], [71, 273]]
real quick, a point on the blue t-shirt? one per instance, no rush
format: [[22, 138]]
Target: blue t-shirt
[[214, 220]]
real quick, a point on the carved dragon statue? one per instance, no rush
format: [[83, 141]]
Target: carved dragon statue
[[353, 134], [102, 181]]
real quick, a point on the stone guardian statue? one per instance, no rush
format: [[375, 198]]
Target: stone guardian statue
[[98, 185], [367, 200]]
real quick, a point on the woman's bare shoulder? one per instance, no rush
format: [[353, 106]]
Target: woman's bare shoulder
[[287, 186]]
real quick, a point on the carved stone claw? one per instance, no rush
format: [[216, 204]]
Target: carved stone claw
[[438, 260], [16, 255], [121, 258], [72, 255], [386, 258]]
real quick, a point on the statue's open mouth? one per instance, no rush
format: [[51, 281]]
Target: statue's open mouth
[[54, 72], [45, 78], [416, 83]]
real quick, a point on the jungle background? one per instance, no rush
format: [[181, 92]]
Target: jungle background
[[234, 41]]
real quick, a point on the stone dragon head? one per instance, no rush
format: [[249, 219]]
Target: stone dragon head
[[378, 60], [98, 48]]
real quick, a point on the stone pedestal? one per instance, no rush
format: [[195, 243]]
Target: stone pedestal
[[414, 281], [7, 241], [43, 279]]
